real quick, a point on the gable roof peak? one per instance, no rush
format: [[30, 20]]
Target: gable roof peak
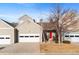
[[25, 18]]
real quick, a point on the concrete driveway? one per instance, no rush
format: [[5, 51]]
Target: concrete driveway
[[21, 48]]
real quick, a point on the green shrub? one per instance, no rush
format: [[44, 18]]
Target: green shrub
[[66, 41]]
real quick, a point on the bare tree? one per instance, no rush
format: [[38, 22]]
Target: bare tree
[[63, 18], [34, 20], [41, 20]]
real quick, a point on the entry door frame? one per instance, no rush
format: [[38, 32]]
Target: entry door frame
[[45, 31]]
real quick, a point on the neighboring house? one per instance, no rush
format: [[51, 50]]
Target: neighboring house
[[72, 33], [50, 33], [6, 33], [28, 30]]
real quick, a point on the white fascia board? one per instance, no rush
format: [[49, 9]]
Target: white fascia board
[[5, 28]]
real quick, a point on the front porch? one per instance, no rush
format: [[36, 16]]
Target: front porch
[[50, 36]]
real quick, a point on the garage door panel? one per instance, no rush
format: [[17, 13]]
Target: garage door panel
[[5, 39], [75, 39], [29, 40]]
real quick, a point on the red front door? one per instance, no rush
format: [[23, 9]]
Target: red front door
[[51, 36]]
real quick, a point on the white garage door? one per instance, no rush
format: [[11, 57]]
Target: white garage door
[[5, 39], [29, 38], [72, 37]]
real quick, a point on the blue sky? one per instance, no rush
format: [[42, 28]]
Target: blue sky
[[12, 11]]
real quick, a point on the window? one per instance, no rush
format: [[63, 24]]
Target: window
[[36, 36], [31, 36], [21, 36], [76, 35], [7, 38], [1, 37], [66, 35], [26, 36], [71, 35]]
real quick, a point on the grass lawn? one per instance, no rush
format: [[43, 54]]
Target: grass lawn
[[59, 48]]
